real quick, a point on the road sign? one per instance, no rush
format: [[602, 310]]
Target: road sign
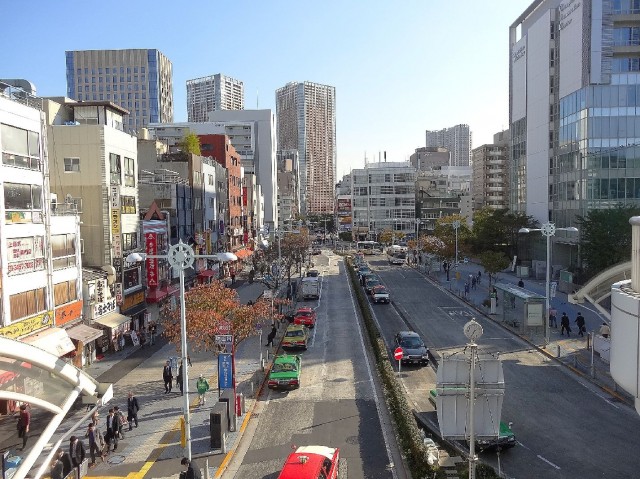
[[258, 326], [397, 354], [223, 338], [223, 327], [225, 371]]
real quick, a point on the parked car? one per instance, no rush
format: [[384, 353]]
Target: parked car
[[305, 316], [371, 281], [413, 348], [285, 372], [506, 438], [316, 251], [296, 336], [313, 462], [313, 273], [380, 294], [362, 270]]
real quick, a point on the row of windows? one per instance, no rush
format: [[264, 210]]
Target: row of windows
[[109, 70], [113, 79], [599, 189], [129, 88], [115, 170]]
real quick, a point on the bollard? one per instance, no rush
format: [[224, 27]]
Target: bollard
[[206, 469], [558, 350]]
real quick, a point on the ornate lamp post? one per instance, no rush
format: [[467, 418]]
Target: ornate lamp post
[[456, 225]]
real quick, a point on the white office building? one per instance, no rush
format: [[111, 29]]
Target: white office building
[[456, 139]]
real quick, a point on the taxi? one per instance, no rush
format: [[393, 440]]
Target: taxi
[[306, 316], [313, 462], [296, 336], [285, 372]]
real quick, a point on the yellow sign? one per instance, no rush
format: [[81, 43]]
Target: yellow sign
[[132, 300], [29, 325], [115, 221]]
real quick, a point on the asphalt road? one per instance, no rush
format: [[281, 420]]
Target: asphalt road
[[336, 405], [565, 426]]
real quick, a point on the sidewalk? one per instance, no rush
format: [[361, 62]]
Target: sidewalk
[[571, 351], [153, 449]]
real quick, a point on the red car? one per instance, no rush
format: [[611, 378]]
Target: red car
[[312, 462], [305, 316]]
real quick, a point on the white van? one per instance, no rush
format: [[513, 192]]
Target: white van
[[311, 287]]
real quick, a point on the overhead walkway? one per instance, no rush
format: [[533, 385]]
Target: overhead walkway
[[47, 383], [598, 288]]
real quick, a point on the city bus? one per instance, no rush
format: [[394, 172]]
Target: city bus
[[367, 247]]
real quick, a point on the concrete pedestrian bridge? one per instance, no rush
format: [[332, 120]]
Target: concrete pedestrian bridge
[[50, 386], [598, 289]]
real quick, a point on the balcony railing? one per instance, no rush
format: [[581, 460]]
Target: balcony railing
[[71, 206]]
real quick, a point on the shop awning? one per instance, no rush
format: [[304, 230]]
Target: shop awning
[[206, 273], [243, 253], [53, 340], [155, 295], [112, 320], [6, 376], [84, 333]]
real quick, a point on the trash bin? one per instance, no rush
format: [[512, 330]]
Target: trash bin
[[218, 424]]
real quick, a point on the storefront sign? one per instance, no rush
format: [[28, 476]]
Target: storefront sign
[[100, 291], [68, 312], [103, 308], [25, 266], [115, 221], [151, 242], [132, 300], [25, 255], [117, 246], [118, 287], [27, 326]]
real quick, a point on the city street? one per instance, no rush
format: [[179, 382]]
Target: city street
[[557, 416]]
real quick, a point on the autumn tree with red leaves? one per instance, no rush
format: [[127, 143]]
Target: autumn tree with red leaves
[[207, 307]]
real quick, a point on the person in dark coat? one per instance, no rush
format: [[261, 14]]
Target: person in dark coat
[[167, 375], [564, 325], [76, 451], [132, 410], [192, 470], [580, 323], [24, 425], [179, 379], [272, 335], [57, 468], [112, 430], [65, 459]]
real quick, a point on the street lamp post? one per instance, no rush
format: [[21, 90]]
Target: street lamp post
[[180, 256], [548, 230], [456, 225], [418, 237]]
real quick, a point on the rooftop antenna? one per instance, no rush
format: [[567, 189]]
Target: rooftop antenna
[[257, 99]]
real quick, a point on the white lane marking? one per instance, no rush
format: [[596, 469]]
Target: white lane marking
[[548, 462], [373, 388], [598, 395]]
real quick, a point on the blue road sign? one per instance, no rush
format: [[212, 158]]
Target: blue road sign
[[225, 371]]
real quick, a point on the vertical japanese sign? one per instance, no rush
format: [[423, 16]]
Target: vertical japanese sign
[[115, 222], [151, 242], [225, 371]]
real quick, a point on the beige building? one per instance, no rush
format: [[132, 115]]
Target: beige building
[[491, 173], [92, 158], [211, 93]]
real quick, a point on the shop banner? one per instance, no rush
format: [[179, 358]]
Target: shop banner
[[151, 242]]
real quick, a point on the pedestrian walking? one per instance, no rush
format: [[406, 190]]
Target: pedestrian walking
[[96, 443], [112, 431], [167, 375], [191, 471], [94, 418], [553, 322], [24, 425], [580, 323], [120, 421], [202, 386], [189, 360], [272, 335], [473, 282], [152, 333], [143, 338], [564, 325], [57, 468], [132, 410], [179, 379], [77, 452], [233, 277], [605, 330], [479, 276], [466, 288], [521, 283], [67, 463]]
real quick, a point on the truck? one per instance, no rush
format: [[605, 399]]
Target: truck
[[311, 287]]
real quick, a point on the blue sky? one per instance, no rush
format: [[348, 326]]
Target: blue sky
[[399, 68]]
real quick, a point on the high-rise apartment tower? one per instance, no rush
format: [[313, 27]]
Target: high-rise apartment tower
[[138, 80], [306, 121], [211, 93], [456, 139]]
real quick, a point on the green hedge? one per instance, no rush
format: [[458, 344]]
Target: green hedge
[[410, 440]]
